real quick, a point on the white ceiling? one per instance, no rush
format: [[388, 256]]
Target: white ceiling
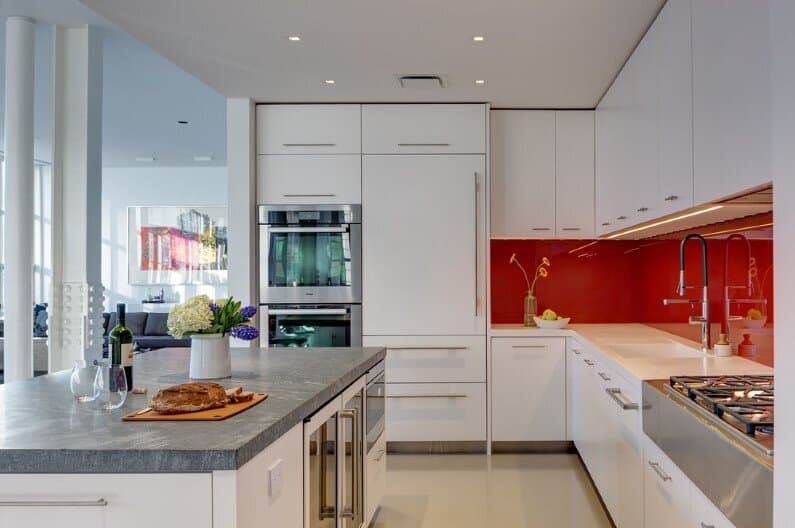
[[537, 53], [144, 95]]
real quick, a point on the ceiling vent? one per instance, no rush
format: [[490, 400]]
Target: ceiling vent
[[421, 82]]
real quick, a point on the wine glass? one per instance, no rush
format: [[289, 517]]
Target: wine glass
[[111, 386], [82, 383]]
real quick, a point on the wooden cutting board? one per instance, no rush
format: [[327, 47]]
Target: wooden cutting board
[[210, 415]]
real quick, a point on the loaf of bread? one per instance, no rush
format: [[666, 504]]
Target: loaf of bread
[[189, 397]]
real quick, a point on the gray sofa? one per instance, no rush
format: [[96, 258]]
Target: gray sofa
[[150, 331]]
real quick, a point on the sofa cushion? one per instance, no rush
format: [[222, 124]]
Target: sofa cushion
[[156, 324], [152, 342], [136, 322]]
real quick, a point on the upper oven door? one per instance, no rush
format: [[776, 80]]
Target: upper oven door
[[310, 256]]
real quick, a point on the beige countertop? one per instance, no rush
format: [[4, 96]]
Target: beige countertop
[[605, 337]]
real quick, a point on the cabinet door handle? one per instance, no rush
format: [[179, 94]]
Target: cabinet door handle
[[604, 376], [705, 525], [589, 362], [410, 396], [324, 510], [542, 229], [671, 198], [528, 346], [622, 217], [353, 416], [622, 401], [571, 229], [309, 144], [577, 351], [605, 224], [99, 503], [643, 209], [476, 244], [423, 144], [324, 195], [660, 473]]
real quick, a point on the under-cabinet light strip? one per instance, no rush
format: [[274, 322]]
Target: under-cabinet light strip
[[663, 222]]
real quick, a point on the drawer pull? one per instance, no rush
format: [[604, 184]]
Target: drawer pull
[[423, 144], [605, 224], [604, 376], [542, 229], [324, 195], [381, 453], [571, 229], [99, 503], [309, 144], [577, 351], [622, 217], [672, 198], [643, 209], [430, 348], [407, 396], [705, 525], [660, 473], [528, 346], [589, 362], [620, 399]]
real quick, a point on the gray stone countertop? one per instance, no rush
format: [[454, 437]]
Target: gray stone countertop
[[43, 429]]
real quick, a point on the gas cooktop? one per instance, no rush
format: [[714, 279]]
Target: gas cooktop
[[742, 403]]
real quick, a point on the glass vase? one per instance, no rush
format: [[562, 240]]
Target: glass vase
[[530, 309]]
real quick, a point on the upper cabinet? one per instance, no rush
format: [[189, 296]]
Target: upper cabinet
[[731, 97], [542, 174], [424, 129], [309, 129]]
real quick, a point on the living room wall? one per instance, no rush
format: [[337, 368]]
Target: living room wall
[[123, 187]]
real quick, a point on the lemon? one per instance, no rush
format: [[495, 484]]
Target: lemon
[[549, 315], [754, 314]]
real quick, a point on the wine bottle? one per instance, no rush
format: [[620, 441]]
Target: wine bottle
[[121, 345]]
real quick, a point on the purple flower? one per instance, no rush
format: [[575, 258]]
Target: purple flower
[[248, 312], [214, 307], [246, 333]]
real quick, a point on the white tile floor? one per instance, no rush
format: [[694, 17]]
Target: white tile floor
[[506, 491]]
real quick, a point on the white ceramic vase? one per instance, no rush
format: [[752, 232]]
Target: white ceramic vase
[[209, 356]]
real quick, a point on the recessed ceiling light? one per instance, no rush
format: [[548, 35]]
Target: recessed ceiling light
[[142, 159], [330, 81], [203, 158], [480, 81], [294, 38], [478, 38], [182, 122]]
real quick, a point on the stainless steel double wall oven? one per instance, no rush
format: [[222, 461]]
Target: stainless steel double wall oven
[[311, 274]]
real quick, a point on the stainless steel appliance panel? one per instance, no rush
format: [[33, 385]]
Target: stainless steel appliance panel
[[318, 325], [731, 475], [375, 407]]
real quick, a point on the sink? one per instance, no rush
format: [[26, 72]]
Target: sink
[[664, 349]]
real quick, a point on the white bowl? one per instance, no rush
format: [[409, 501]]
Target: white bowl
[[556, 324], [754, 323]]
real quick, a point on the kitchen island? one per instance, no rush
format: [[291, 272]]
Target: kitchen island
[[74, 463]]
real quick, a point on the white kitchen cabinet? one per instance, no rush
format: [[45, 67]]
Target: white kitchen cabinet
[[432, 359], [375, 477], [523, 174], [309, 129], [424, 129], [528, 389], [666, 490], [704, 514], [267, 491], [107, 500], [731, 97], [423, 245], [426, 412], [574, 401], [574, 174], [305, 179], [675, 111]]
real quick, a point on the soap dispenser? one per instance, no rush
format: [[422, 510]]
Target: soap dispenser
[[722, 347]]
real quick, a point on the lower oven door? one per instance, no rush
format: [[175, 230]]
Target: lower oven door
[[305, 326]]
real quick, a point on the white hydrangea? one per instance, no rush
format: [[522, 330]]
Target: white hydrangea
[[194, 315]]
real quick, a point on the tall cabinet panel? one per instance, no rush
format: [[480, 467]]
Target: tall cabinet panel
[[423, 234], [574, 174], [731, 97], [523, 173]]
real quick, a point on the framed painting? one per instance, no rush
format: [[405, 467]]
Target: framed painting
[[177, 245]]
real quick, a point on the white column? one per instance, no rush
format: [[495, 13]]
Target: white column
[[241, 163], [75, 328], [18, 277]]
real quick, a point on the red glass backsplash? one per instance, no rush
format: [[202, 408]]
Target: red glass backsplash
[[623, 281]]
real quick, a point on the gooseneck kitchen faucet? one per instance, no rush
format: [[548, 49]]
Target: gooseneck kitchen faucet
[[703, 319]]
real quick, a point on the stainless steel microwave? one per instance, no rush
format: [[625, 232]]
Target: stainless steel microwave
[[310, 254]]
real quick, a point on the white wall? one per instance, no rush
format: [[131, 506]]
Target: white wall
[[132, 186], [783, 110]]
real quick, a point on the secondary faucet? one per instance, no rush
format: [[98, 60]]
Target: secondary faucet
[[703, 319], [728, 288]]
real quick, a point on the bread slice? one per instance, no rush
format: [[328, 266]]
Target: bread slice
[[189, 397]]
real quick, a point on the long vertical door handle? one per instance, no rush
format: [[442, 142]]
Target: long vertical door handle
[[324, 511], [476, 243], [345, 511]]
